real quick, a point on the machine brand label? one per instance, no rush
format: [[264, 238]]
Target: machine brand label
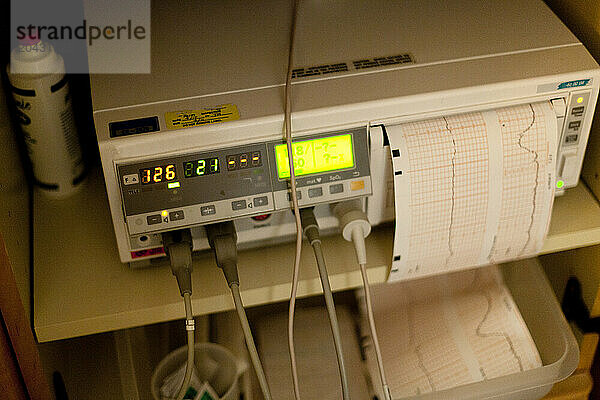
[[572, 84], [205, 116]]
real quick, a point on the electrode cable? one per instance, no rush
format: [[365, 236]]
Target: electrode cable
[[189, 327], [178, 246], [222, 238], [294, 196], [373, 330], [239, 307], [355, 227], [311, 230]]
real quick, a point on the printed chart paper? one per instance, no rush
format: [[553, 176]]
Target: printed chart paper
[[472, 189], [445, 331]]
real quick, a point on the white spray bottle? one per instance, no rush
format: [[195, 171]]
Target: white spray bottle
[[41, 92]]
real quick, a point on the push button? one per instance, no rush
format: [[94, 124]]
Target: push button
[[131, 179], [357, 185], [571, 139], [176, 215], [337, 188], [577, 111], [207, 210], [154, 219], [315, 192], [238, 205], [298, 195], [261, 201]]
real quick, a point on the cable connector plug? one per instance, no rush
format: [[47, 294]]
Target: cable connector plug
[[354, 224], [309, 224], [222, 238], [178, 246]]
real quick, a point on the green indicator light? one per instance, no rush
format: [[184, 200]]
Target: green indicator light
[[560, 184], [173, 185]]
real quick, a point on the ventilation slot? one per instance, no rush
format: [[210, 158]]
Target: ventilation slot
[[319, 70], [383, 61]]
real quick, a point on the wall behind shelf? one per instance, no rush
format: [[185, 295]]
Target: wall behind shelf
[[14, 198]]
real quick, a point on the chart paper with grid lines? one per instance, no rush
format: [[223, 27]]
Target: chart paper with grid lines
[[472, 189], [445, 331]]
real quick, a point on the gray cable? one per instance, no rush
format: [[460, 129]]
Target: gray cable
[[178, 245], [260, 373], [333, 321], [189, 326], [222, 239], [311, 230]]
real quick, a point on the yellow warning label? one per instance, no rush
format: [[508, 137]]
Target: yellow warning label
[[206, 116]]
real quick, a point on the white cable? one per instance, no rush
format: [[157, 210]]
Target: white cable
[[358, 238], [288, 141], [355, 227], [189, 326], [375, 339], [260, 373]]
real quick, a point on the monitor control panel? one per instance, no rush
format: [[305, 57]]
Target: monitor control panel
[[226, 183]]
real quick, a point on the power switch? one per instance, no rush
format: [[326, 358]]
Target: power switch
[[560, 107], [569, 171]]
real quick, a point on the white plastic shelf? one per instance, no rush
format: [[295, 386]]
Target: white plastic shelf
[[82, 288]]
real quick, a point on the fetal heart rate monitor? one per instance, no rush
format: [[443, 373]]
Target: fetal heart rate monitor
[[183, 150], [214, 185]]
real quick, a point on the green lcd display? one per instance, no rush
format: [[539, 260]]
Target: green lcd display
[[316, 156]]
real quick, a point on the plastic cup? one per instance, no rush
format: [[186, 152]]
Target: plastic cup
[[224, 378]]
